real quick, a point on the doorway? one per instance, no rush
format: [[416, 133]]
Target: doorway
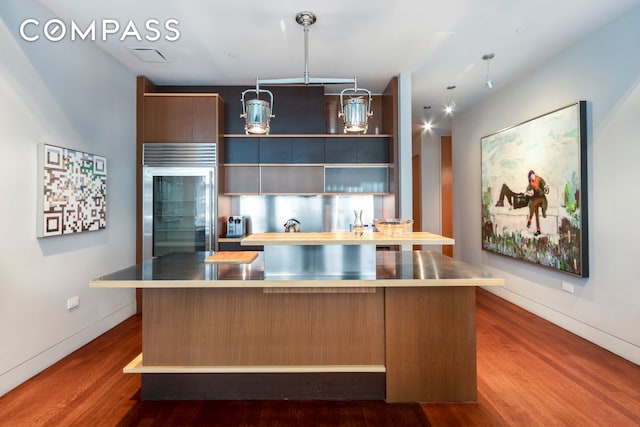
[[416, 183], [446, 183]]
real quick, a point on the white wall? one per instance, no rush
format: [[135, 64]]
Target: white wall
[[86, 103], [603, 69], [431, 180], [405, 146]]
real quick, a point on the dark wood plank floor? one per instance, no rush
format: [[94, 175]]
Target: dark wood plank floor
[[530, 373]]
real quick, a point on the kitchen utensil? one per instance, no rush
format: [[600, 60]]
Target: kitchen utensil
[[292, 226]]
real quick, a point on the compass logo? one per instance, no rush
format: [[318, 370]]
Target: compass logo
[[56, 29]]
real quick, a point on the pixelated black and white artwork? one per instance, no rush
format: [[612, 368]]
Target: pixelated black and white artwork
[[73, 193]]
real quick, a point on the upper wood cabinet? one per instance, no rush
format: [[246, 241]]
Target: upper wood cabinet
[[170, 117]]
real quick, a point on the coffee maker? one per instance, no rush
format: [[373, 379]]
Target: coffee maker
[[236, 226]]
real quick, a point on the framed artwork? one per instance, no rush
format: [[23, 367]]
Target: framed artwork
[[534, 178], [72, 195]]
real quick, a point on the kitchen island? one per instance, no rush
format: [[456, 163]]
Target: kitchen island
[[228, 331], [330, 255]]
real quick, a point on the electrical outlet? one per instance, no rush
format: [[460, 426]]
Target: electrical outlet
[[567, 287], [73, 303]]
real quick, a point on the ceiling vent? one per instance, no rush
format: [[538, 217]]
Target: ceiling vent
[[148, 54]]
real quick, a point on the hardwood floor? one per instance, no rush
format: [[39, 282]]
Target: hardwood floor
[[533, 373], [530, 373]]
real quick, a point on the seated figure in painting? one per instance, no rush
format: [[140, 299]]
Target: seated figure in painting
[[516, 200], [534, 197]]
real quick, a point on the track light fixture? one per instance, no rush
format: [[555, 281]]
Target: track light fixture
[[256, 112], [355, 110], [487, 57]]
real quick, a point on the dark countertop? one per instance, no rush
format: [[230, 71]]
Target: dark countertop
[[393, 269]]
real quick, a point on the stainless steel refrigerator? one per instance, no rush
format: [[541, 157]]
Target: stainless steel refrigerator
[[179, 198]]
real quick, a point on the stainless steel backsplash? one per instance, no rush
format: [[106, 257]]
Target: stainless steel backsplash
[[315, 213]]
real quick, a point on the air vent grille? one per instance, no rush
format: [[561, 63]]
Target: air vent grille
[[182, 154]]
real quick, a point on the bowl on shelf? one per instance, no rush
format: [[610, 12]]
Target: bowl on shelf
[[392, 226]]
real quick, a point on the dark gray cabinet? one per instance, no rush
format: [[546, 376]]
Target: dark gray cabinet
[[241, 150], [297, 150], [340, 150], [275, 150], [357, 150], [307, 150], [372, 150]]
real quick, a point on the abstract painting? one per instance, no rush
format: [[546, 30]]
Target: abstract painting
[[534, 204], [72, 195]]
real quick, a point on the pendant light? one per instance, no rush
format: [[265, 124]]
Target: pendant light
[[355, 110], [451, 106], [257, 112], [487, 57]]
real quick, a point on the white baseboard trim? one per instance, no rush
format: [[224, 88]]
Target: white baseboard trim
[[31, 367], [598, 337]]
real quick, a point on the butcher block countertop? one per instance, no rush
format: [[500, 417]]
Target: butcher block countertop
[[345, 238], [231, 257]]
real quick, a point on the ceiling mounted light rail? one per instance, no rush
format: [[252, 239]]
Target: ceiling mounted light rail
[[355, 109]]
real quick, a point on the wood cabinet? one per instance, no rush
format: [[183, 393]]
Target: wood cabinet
[[182, 117], [242, 179], [292, 179], [284, 164]]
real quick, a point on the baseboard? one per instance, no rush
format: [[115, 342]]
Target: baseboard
[[598, 337], [31, 367]]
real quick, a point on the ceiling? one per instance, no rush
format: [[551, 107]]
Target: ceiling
[[440, 43]]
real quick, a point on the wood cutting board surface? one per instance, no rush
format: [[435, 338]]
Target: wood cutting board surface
[[239, 257]]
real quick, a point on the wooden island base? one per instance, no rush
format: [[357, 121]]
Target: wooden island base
[[227, 331], [401, 344]]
